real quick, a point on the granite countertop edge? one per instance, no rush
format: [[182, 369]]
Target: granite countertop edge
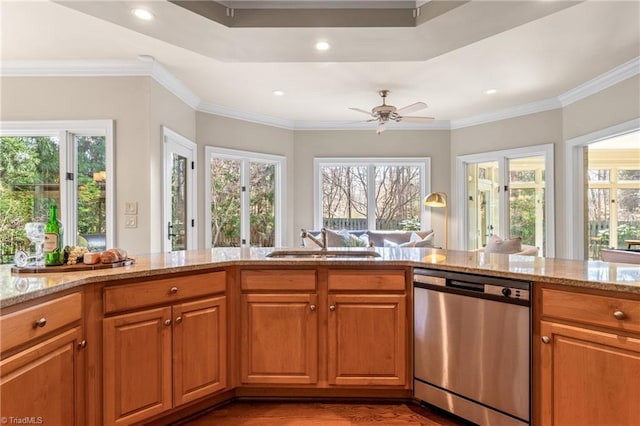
[[150, 266]]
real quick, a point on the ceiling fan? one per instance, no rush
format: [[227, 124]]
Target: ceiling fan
[[383, 113]]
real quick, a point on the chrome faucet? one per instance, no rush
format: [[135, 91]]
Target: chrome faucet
[[321, 243]]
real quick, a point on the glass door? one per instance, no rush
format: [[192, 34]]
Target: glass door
[[483, 202], [225, 201], [262, 208], [179, 193]]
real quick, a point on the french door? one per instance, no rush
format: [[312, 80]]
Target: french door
[[179, 221], [507, 193], [244, 193]]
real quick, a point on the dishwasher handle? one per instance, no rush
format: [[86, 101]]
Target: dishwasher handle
[[463, 285]]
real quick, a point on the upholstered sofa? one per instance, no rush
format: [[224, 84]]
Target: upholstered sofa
[[620, 255], [368, 238], [508, 246]]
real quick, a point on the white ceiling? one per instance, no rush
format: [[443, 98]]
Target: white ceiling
[[530, 51]]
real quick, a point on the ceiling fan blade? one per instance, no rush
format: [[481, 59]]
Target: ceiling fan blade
[[416, 119], [412, 108], [361, 110]]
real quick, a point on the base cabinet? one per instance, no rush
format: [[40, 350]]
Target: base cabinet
[[44, 383], [367, 343], [348, 324], [589, 356], [159, 358]]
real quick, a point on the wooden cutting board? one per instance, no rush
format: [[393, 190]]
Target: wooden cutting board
[[70, 268]]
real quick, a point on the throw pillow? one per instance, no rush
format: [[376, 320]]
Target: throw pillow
[[422, 242], [336, 238], [498, 245]]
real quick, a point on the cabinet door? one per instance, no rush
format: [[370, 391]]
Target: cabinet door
[[137, 365], [279, 338], [44, 383], [588, 377], [367, 339], [199, 349]]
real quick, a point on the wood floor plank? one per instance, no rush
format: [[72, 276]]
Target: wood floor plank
[[321, 414]]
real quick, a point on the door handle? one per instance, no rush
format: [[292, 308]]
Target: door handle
[[169, 233]]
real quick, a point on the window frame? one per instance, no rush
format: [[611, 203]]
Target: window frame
[[65, 130], [423, 163], [280, 163]]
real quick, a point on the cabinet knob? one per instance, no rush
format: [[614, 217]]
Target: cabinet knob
[[167, 322], [546, 339], [40, 323], [312, 307], [82, 344], [173, 290], [178, 320], [619, 315], [332, 307]]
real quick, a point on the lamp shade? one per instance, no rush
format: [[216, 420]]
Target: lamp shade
[[435, 199]]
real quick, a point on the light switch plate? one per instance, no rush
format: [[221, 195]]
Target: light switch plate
[[130, 207], [130, 221]]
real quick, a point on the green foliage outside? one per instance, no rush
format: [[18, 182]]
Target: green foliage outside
[[30, 183]]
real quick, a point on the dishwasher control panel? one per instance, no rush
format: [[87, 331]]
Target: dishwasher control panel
[[514, 293]]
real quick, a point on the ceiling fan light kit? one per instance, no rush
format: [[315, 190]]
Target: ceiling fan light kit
[[384, 113]]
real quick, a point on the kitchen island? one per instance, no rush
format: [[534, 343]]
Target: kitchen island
[[178, 332]]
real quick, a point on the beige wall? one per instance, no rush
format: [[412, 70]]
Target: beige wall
[[393, 143], [123, 99], [222, 132]]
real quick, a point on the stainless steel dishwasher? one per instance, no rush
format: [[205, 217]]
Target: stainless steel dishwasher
[[472, 346]]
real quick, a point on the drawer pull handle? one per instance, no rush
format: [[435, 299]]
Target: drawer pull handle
[[178, 320], [312, 307], [40, 323], [173, 290], [82, 344], [167, 322], [619, 315], [546, 339], [332, 308]]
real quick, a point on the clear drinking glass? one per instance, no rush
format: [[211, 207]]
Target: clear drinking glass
[[35, 234]]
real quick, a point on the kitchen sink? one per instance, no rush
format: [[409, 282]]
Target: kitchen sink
[[322, 253]]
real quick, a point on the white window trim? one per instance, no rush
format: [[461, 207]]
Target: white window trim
[[501, 156], [424, 164], [192, 188], [280, 190], [575, 178], [64, 130]]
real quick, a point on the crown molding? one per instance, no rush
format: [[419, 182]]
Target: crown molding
[[506, 113], [252, 117], [601, 82], [151, 68]]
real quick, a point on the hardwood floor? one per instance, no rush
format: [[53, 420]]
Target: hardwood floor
[[325, 414]]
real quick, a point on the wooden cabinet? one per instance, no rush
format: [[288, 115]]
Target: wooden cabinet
[[349, 323], [43, 381], [367, 328], [589, 359], [158, 358]]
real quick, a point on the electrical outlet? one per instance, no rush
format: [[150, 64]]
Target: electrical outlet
[[130, 207], [130, 221]]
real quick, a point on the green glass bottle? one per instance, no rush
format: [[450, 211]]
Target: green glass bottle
[[53, 251]]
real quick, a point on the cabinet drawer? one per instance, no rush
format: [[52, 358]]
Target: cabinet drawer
[[275, 280], [35, 321], [597, 310], [169, 290], [357, 279]]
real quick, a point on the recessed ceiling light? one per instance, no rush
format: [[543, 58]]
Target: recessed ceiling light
[[143, 14], [491, 91], [322, 45], [278, 92]]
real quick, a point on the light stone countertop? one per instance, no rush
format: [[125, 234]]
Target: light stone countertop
[[618, 277]]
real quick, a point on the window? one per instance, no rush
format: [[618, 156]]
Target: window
[[382, 194], [244, 197], [613, 194], [64, 163]]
